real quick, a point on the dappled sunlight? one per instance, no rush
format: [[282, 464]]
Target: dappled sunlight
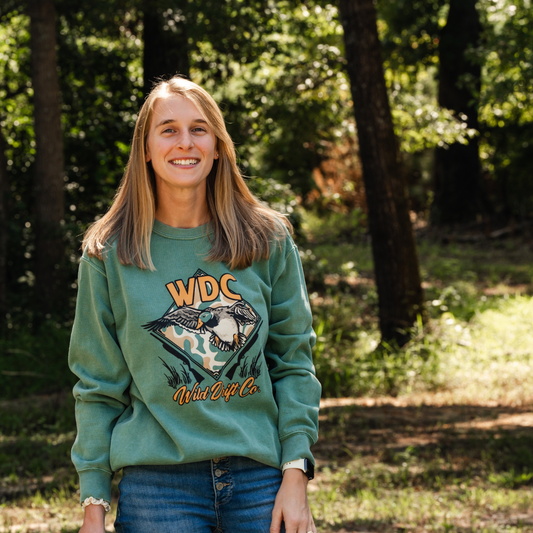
[[491, 357]]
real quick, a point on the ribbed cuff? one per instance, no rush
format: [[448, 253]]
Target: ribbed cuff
[[95, 483], [296, 446]]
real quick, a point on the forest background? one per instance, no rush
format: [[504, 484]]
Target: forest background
[[459, 82]]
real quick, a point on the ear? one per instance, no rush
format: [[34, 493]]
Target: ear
[[148, 157]]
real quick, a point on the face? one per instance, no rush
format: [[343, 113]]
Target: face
[[181, 145]]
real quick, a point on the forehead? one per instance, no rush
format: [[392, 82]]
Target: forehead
[[175, 107]]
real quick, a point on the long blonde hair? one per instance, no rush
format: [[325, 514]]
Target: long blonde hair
[[244, 229]]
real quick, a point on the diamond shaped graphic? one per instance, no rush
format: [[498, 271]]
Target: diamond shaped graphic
[[212, 329]]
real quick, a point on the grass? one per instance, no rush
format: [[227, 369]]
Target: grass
[[407, 466], [433, 437]]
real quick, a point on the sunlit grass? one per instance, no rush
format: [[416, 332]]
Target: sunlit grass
[[491, 356], [471, 509]]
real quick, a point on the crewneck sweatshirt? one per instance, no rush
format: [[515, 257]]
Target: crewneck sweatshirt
[[191, 361]]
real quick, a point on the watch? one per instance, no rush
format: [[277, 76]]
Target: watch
[[306, 466]]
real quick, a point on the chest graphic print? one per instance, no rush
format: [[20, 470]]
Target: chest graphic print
[[210, 328]]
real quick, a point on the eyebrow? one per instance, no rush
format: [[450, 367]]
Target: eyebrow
[[171, 120]]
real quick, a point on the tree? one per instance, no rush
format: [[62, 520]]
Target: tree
[[393, 245], [3, 230], [458, 190], [48, 168]]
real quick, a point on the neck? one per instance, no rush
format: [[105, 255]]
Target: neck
[[188, 209]]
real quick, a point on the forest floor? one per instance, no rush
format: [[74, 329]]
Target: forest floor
[[419, 462], [437, 436]]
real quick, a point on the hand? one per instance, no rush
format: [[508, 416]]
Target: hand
[[291, 505], [94, 520]]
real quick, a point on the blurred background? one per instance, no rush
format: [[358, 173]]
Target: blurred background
[[292, 79]]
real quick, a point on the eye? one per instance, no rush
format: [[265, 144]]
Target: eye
[[168, 130], [199, 129]]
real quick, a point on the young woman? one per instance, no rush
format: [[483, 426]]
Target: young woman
[[192, 341]]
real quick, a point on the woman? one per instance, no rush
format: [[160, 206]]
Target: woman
[[192, 341]]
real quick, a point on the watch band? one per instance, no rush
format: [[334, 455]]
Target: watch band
[[304, 465]]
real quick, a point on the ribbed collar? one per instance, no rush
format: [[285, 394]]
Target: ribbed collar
[[181, 233]]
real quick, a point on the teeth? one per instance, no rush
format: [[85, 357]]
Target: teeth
[[184, 162]]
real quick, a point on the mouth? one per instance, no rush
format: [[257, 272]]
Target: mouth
[[184, 162]]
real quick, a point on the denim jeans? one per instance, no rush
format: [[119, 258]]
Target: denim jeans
[[225, 495]]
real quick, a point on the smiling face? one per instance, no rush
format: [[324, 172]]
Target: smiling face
[[180, 145]]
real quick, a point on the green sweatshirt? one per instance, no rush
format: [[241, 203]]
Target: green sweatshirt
[[191, 361]]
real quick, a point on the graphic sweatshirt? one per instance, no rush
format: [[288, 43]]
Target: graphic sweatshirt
[[191, 361]]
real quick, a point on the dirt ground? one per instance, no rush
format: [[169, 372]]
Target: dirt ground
[[378, 430]]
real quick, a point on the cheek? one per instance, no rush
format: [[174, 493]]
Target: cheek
[[156, 151], [209, 147]]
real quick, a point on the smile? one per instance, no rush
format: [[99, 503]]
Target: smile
[[184, 162]]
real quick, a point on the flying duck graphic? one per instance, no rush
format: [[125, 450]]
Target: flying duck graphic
[[222, 322]]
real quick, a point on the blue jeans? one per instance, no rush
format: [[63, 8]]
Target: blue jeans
[[226, 495]]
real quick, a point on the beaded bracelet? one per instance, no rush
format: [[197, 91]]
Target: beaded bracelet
[[93, 501]]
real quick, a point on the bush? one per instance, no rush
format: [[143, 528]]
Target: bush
[[35, 361]]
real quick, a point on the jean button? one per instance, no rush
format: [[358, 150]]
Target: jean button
[[218, 472], [220, 486]]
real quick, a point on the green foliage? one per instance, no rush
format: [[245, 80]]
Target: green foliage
[[464, 287], [34, 361], [419, 122], [17, 128], [409, 32], [277, 195], [326, 226], [286, 94], [349, 361], [507, 54], [507, 102]]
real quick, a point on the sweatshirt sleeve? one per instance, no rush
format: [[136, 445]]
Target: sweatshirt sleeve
[[102, 390], [288, 352]]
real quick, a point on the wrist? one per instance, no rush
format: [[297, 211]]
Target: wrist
[[295, 475], [94, 514]]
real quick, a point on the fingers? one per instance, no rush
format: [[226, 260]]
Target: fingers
[[302, 524], [308, 524], [275, 526], [311, 528]]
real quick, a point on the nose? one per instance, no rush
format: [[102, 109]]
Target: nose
[[184, 140]]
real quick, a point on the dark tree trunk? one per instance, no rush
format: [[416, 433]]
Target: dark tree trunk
[[165, 44], [393, 244], [48, 167], [458, 189], [3, 231]]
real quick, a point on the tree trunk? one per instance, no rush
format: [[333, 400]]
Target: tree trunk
[[458, 190], [3, 231], [393, 244], [48, 167], [165, 43]]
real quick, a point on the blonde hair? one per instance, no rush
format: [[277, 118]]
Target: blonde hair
[[244, 229]]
